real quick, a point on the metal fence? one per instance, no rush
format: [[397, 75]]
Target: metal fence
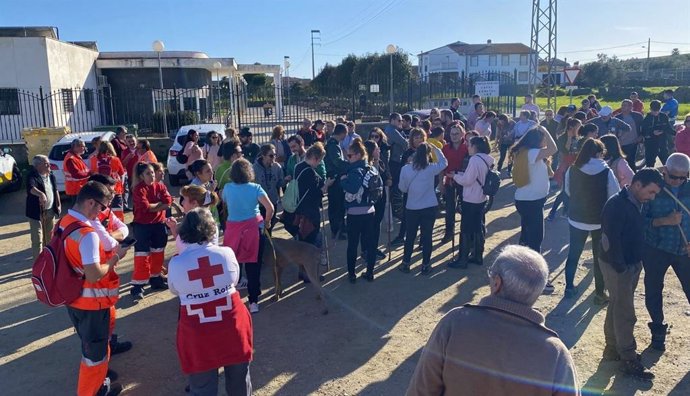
[[239, 105]]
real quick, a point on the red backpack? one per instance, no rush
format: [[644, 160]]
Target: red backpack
[[55, 282]]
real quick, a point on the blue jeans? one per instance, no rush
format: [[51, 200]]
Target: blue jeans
[[578, 238]]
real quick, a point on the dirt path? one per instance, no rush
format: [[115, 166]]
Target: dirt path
[[368, 344]]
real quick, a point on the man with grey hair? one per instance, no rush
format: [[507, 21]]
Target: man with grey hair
[[501, 343], [666, 228], [42, 203]]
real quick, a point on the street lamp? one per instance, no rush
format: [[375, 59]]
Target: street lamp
[[286, 62], [391, 49], [216, 66], [159, 47]]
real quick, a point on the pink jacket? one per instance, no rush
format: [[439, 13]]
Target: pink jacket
[[472, 177], [622, 172], [243, 238], [683, 141]]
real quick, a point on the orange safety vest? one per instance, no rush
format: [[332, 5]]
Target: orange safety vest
[[101, 294], [118, 171], [72, 183]]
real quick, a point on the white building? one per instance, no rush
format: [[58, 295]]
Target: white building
[[43, 81], [461, 58]]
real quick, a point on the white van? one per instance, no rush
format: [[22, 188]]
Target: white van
[[62, 146], [176, 170]]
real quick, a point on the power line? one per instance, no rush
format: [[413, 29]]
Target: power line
[[668, 42], [602, 49], [384, 9]]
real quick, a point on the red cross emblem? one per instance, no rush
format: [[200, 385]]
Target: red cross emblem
[[205, 272], [211, 311]]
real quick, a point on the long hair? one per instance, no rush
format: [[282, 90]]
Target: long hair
[[422, 157], [139, 170], [589, 150], [613, 147], [358, 148], [530, 140], [371, 146], [199, 194], [414, 133], [189, 136]]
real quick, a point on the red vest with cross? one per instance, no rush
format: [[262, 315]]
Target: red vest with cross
[[214, 328]]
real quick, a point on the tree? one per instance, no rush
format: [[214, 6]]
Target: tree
[[369, 69]]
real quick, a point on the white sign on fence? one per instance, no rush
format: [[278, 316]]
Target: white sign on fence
[[374, 88], [486, 89]]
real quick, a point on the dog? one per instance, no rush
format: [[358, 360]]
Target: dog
[[283, 252]]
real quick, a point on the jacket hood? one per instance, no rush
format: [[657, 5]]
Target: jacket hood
[[594, 166]]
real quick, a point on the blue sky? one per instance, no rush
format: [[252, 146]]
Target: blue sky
[[264, 31]]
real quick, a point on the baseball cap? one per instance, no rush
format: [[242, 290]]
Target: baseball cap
[[605, 111], [572, 108], [245, 132]]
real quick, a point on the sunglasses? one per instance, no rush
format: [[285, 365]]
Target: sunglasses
[[103, 207], [670, 176]]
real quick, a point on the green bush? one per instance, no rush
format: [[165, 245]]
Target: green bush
[[185, 118]]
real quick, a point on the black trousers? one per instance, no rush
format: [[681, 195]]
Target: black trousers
[[655, 146], [656, 263], [422, 219], [237, 381], [503, 149], [336, 207], [379, 216], [451, 197], [253, 271], [93, 329], [360, 226], [630, 151], [531, 223]]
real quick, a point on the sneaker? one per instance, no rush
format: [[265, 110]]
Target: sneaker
[[109, 388], [570, 292], [380, 255], [137, 292], [635, 369], [548, 289], [158, 283], [242, 284], [119, 347], [601, 299], [399, 241], [253, 308]]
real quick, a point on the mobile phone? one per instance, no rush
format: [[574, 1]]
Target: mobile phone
[[127, 242]]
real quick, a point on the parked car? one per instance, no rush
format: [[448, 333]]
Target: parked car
[[62, 146], [176, 170], [10, 175]]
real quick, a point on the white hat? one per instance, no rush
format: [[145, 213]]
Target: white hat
[[605, 111]]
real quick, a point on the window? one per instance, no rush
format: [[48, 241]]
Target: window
[[474, 60], [505, 60], [492, 60], [522, 76], [88, 99], [189, 103], [523, 60], [9, 101], [67, 100]]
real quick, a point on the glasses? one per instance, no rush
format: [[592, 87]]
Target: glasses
[[672, 177], [103, 207]]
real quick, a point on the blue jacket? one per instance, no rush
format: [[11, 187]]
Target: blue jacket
[[353, 185], [667, 238], [622, 232]]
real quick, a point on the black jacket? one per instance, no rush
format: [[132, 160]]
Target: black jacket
[[336, 165], [622, 232], [659, 122], [33, 206]]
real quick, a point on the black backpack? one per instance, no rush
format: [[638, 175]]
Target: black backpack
[[492, 180], [373, 184]]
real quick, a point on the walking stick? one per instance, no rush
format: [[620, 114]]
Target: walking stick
[[452, 236], [685, 208], [390, 220]]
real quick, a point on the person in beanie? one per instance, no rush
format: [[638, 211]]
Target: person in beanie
[[501, 345], [666, 227], [622, 246]]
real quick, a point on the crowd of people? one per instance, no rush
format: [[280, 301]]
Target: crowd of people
[[414, 169]]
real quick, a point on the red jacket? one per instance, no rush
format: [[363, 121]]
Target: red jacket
[[455, 158], [145, 195], [683, 141]]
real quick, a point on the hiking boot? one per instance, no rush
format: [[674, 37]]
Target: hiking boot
[[109, 388], [137, 292], [601, 299], [398, 241], [404, 267], [658, 335], [635, 369], [119, 347], [158, 283]]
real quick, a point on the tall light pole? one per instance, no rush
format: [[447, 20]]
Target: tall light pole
[[216, 66], [159, 47], [286, 63], [390, 50], [313, 74]]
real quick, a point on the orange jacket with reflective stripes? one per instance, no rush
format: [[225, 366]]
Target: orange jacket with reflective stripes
[[95, 295], [76, 173], [117, 170]]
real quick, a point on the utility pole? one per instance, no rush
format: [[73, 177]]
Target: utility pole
[[543, 45], [318, 32], [649, 45]]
